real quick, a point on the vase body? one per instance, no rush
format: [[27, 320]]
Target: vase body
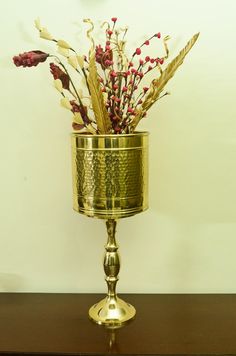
[[110, 174]]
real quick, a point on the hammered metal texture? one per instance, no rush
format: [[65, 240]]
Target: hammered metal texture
[[110, 177]]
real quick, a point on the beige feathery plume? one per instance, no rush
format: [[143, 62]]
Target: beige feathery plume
[[158, 84], [100, 111]]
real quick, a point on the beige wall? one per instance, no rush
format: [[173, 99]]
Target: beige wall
[[186, 242]]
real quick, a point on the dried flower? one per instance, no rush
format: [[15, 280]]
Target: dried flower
[[58, 73], [29, 59], [103, 57], [113, 74], [113, 100]]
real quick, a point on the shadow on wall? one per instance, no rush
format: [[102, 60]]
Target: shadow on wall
[[11, 282]]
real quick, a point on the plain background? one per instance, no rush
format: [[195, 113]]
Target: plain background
[[186, 241]]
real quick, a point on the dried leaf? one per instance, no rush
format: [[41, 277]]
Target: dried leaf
[[45, 34], [37, 24], [78, 118], [65, 102], [166, 38], [80, 60], [105, 96], [100, 112], [63, 51], [58, 85], [72, 60], [89, 34], [91, 129], [80, 92], [158, 85], [63, 44]]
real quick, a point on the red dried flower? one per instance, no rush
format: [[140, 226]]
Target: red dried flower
[[145, 89], [158, 35], [117, 129], [147, 58], [109, 32], [147, 42], [103, 56], [130, 110], [77, 126], [126, 74], [107, 63], [114, 19], [124, 89], [161, 60], [81, 109], [115, 86], [138, 51], [30, 59], [140, 74], [141, 62], [58, 73], [113, 74]]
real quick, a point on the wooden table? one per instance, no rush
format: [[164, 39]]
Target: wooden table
[[166, 324]]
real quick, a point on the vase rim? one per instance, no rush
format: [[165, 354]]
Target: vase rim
[[136, 133]]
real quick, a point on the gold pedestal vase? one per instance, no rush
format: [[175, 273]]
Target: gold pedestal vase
[[110, 181]]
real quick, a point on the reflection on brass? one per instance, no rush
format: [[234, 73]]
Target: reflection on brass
[[110, 181]]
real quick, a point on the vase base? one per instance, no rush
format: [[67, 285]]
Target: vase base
[[112, 312]]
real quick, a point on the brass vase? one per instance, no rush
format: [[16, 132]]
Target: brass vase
[[110, 181]]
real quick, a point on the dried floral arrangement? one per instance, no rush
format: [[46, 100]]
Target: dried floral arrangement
[[113, 100]]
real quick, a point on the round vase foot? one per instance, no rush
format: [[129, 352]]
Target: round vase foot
[[112, 311]]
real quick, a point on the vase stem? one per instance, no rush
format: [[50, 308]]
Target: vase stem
[[111, 259], [111, 311]]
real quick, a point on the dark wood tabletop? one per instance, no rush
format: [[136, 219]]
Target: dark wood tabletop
[[166, 324]]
